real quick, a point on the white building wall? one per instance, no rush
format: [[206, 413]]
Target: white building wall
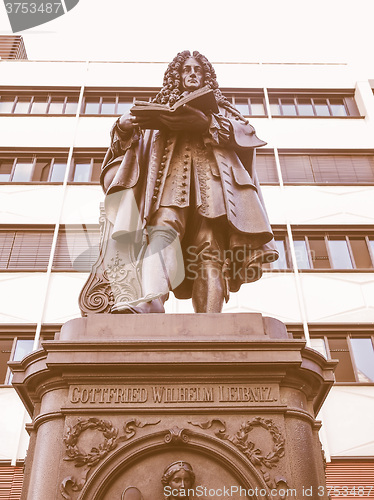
[[323, 297]]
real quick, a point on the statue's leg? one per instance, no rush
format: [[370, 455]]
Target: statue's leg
[[162, 265], [209, 288]]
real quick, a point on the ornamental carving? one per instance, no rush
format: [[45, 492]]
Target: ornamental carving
[[250, 449], [115, 276], [176, 436], [98, 452]]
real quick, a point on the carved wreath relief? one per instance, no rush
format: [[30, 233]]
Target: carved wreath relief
[[97, 453], [250, 449]]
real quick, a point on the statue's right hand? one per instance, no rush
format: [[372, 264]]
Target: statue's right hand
[[127, 122]]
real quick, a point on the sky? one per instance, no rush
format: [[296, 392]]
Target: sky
[[235, 31]]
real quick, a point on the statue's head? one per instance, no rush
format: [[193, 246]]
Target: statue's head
[[189, 72], [186, 72], [180, 477]]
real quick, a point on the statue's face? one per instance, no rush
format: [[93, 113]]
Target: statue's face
[[192, 74], [180, 481]]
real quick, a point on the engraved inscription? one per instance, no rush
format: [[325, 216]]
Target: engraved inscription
[[174, 394], [232, 394]]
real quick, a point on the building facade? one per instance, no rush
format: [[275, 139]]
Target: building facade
[[317, 176]]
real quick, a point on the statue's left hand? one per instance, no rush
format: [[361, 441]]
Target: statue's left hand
[[186, 118]]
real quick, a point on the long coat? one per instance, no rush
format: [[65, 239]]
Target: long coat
[[163, 168]]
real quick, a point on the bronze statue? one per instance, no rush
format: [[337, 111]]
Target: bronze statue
[[177, 479], [190, 175]]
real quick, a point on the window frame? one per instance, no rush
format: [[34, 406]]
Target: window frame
[[49, 93], [327, 330], [365, 233], [347, 96]]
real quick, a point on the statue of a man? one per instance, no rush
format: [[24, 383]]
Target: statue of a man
[[193, 178]]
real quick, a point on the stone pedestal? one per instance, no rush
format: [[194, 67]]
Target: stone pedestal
[[116, 398]]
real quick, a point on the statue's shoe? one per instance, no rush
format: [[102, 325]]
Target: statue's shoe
[[151, 303]]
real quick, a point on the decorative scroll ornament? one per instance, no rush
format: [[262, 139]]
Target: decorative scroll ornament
[[176, 436], [97, 453], [115, 276], [240, 440]]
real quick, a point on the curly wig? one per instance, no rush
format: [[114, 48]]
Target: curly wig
[[172, 88]]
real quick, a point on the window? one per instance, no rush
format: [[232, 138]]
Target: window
[[334, 252], [58, 170], [355, 353], [41, 168], [25, 249], [6, 346], [40, 103], [29, 250], [16, 347], [77, 249], [266, 168], [305, 104], [111, 103], [323, 168], [86, 168], [44, 168], [248, 104], [12, 349]]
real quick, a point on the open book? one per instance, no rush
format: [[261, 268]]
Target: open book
[[202, 99]]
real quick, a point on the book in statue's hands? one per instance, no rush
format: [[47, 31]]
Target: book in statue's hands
[[202, 99]]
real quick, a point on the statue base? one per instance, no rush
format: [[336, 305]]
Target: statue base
[[116, 398]]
